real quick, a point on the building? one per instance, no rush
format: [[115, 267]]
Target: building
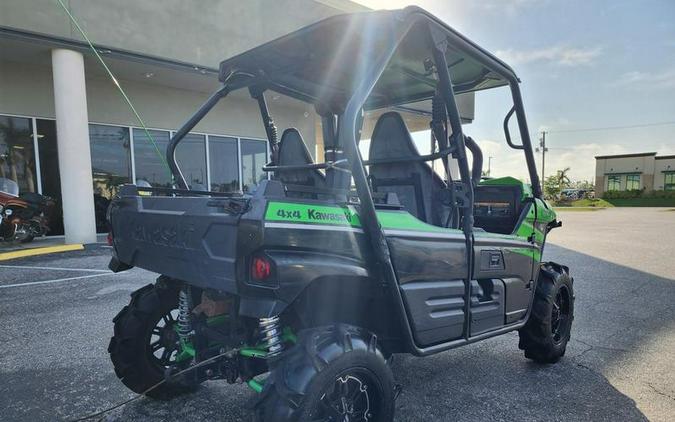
[[66, 132], [644, 171]]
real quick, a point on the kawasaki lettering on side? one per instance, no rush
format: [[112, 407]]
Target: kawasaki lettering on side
[[307, 213]]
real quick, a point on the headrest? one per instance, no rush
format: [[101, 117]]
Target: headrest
[[391, 138], [292, 149]]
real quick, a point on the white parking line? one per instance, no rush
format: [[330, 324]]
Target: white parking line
[[59, 280], [28, 267]]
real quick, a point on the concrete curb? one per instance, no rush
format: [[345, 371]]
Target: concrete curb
[[40, 251]]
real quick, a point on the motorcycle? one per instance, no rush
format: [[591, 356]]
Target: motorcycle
[[22, 216]]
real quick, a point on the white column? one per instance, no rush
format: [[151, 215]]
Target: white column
[[72, 131]]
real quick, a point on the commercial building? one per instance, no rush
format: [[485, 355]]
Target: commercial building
[[644, 171]]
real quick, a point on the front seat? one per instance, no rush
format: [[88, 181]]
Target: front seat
[[293, 152], [416, 185]]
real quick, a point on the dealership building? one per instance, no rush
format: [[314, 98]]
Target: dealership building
[[66, 132], [645, 171]]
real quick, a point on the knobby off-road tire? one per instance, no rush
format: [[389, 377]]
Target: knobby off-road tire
[[130, 347], [545, 335], [339, 368]]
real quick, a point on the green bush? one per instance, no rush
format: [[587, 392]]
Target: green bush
[[623, 194]]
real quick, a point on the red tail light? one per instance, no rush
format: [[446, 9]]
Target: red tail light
[[261, 268], [110, 239]]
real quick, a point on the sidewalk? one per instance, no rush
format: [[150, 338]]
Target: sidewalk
[[41, 246]]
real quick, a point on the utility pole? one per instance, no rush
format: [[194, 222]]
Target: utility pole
[[489, 165], [544, 150]]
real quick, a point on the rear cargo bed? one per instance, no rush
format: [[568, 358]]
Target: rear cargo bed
[[192, 239]]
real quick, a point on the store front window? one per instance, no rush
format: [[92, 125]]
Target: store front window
[[110, 165], [150, 164], [17, 156], [253, 158], [633, 182], [191, 158], [223, 164], [613, 183], [669, 181], [49, 172]]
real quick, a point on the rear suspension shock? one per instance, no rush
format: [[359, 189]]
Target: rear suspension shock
[[183, 321], [270, 332]]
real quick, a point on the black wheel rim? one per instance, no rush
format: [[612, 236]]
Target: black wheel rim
[[163, 341], [560, 315], [354, 395]]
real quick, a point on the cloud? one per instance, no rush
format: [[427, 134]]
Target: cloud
[[561, 55], [664, 79], [508, 6]]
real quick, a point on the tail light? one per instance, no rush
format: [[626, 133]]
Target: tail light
[[261, 268], [110, 239]]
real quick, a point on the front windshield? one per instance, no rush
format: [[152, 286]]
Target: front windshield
[[9, 187]]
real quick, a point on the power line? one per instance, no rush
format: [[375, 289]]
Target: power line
[[596, 129]]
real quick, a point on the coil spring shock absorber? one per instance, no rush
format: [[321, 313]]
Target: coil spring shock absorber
[[183, 320], [270, 333]]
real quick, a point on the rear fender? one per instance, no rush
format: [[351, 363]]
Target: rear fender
[[294, 271]]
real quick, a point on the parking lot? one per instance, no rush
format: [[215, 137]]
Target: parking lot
[[56, 311]]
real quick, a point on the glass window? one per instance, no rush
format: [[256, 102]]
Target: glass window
[[253, 158], [49, 172], [191, 158], [633, 182], [110, 158], [224, 164], [613, 183], [150, 166], [17, 157], [669, 182]]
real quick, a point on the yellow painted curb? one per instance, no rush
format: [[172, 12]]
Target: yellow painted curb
[[40, 251]]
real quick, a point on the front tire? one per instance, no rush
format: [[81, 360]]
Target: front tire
[[545, 335], [144, 343], [332, 374]]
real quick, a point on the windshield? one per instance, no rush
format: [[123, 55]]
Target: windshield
[[9, 187]]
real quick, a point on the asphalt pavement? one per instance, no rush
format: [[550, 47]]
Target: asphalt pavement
[[56, 311]]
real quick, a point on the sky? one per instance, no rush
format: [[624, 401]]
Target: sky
[[584, 64]]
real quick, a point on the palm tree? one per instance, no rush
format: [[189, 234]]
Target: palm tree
[[562, 180]]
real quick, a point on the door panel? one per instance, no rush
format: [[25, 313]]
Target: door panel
[[431, 270], [505, 262]]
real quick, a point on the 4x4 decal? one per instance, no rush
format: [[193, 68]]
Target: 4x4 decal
[[308, 213]]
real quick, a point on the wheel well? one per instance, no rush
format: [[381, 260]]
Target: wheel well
[[354, 300]]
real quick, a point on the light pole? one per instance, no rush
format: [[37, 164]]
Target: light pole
[[489, 166]]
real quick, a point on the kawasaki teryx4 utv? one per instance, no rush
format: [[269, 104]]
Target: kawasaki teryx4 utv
[[305, 287]]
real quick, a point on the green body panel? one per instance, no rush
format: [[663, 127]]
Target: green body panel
[[532, 227], [294, 212]]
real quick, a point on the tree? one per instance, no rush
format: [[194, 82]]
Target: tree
[[554, 184]]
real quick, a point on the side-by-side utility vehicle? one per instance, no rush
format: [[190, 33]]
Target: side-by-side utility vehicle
[[304, 286]]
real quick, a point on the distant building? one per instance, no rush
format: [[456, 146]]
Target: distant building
[[643, 171]]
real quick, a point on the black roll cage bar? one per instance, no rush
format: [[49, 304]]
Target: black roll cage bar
[[440, 37]]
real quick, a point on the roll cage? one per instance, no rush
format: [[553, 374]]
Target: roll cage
[[349, 63]]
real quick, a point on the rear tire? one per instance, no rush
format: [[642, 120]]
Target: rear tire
[[545, 335], [131, 347], [330, 373]]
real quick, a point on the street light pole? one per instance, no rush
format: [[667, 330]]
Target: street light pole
[[489, 165]]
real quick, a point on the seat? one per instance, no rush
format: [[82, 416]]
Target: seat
[[292, 152], [416, 185]]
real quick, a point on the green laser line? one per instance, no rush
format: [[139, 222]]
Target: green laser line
[[119, 87]]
